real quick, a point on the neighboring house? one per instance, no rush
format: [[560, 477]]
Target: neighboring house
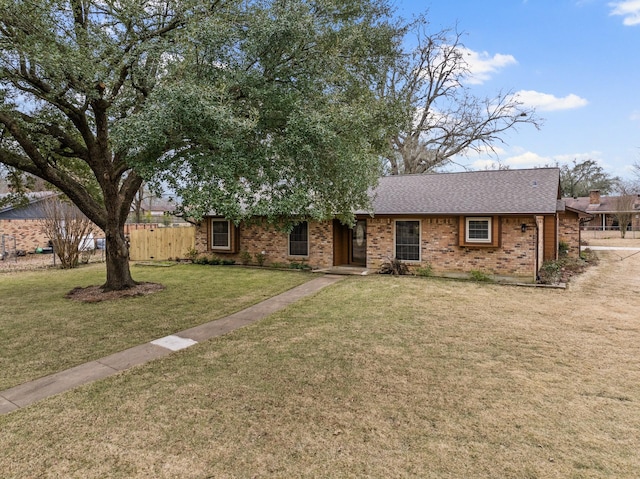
[[501, 223], [20, 226], [604, 210]]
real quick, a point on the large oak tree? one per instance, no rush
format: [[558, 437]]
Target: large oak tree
[[578, 178], [244, 107]]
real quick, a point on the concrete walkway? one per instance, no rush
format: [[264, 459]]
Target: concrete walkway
[[610, 248], [28, 393]]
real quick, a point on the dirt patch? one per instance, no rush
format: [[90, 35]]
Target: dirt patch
[[95, 294]]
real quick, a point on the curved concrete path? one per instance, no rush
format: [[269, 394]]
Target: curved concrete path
[[32, 391]]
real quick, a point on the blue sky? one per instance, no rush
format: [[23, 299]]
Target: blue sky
[[576, 61]]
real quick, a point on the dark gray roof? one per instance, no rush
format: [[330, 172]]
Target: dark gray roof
[[532, 191], [32, 209], [607, 204]]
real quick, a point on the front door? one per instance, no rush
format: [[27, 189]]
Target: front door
[[359, 243]]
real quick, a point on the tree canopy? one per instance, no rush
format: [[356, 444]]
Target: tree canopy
[[578, 178], [244, 107], [270, 111]]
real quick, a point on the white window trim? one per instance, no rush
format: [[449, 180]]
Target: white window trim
[[229, 226], [308, 243], [395, 230], [489, 221]]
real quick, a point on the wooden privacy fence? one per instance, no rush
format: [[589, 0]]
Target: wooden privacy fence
[[161, 243]]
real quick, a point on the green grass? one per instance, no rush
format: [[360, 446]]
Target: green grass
[[41, 332], [380, 377]]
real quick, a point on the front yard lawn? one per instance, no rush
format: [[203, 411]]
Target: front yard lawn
[[41, 332], [379, 377]]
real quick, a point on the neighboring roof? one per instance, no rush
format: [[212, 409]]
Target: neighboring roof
[[532, 191], [157, 204], [607, 204], [31, 210]]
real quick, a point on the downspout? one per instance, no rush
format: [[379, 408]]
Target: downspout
[[536, 276]]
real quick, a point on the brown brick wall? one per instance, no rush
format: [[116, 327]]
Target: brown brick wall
[[256, 238], [569, 232], [515, 258], [28, 234]]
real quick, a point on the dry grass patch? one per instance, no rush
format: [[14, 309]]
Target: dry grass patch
[[374, 377]]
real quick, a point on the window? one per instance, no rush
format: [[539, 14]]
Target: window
[[220, 234], [408, 240], [299, 240], [478, 230]]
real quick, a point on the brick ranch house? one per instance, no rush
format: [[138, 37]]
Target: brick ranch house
[[501, 223], [604, 210]]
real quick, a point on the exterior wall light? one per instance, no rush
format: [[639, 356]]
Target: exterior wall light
[[523, 227]]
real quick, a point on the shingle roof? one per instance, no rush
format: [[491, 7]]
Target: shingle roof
[[28, 210], [532, 191], [607, 204]]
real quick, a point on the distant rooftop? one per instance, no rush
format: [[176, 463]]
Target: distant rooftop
[[606, 204]]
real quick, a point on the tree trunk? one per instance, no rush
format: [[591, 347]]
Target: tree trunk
[[117, 258]]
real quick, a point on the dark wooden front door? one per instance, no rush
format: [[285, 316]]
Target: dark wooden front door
[[350, 244]]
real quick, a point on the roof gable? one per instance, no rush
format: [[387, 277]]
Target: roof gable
[[532, 191]]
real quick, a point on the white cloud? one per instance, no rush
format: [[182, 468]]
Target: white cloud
[[482, 65], [528, 159], [635, 115], [521, 158], [629, 9], [548, 102], [569, 158], [485, 165]]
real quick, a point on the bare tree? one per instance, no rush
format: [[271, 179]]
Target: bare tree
[[445, 118], [624, 205], [67, 228], [144, 196], [636, 172]]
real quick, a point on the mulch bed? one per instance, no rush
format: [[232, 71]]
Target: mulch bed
[[95, 294]]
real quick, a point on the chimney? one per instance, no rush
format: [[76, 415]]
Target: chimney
[[594, 197]]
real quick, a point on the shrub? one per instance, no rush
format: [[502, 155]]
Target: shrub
[[563, 248], [191, 254], [228, 262], [477, 275], [426, 270], [201, 260], [550, 272], [245, 257], [394, 266], [553, 272], [301, 265], [260, 258], [207, 260], [589, 256]]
